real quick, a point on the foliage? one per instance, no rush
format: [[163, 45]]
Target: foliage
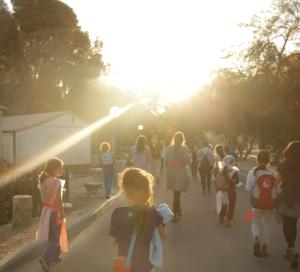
[[259, 101], [45, 56]]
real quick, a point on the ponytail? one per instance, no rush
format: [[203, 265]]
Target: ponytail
[[42, 176], [50, 167]]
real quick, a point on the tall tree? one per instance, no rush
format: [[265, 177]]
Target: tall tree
[[55, 56]]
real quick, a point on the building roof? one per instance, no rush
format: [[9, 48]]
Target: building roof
[[21, 122]]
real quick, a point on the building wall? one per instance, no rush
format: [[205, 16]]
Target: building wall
[[8, 151], [34, 141]]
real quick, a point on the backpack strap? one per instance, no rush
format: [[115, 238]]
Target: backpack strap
[[131, 248], [256, 169]]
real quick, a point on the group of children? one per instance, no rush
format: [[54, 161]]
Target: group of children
[[271, 193], [141, 219]]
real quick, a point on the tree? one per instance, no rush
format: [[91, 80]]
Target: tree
[[54, 59]]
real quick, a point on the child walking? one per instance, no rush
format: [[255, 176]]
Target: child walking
[[138, 220], [107, 161], [261, 184], [230, 175], [52, 224]]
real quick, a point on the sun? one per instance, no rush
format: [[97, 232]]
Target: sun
[[164, 82]]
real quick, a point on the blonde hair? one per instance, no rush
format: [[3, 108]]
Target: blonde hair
[[178, 139], [105, 146]]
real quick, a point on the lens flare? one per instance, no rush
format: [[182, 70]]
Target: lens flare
[[58, 148]]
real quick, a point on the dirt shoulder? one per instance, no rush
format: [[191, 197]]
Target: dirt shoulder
[[11, 240]]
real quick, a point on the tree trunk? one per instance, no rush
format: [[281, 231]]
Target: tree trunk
[[22, 211]]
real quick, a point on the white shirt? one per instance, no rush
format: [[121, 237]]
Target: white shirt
[[141, 160]]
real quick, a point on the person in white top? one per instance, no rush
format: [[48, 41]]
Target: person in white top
[[140, 154], [107, 162], [261, 184], [205, 161]]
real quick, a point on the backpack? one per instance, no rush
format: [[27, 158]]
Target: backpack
[[264, 194], [222, 181], [205, 162]]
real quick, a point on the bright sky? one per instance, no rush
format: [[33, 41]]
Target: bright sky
[[165, 46]]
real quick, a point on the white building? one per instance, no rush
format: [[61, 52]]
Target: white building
[[26, 136]]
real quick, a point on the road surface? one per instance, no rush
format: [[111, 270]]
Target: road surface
[[196, 243]]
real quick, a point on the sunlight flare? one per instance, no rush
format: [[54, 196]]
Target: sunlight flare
[[59, 147]]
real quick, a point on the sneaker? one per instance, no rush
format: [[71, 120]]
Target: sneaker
[[44, 264], [228, 223], [221, 221], [257, 250], [295, 261], [265, 251], [58, 261], [175, 219], [288, 254]]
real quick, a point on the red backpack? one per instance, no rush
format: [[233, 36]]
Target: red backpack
[[264, 194]]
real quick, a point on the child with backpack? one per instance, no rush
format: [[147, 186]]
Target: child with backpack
[[226, 181], [136, 229], [261, 184]]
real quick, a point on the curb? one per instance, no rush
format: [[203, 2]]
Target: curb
[[33, 249]]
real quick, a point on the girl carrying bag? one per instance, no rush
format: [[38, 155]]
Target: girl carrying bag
[[122, 264]]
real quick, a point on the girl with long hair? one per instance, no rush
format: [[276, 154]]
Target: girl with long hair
[[140, 217], [140, 154], [51, 225], [289, 205], [177, 161]]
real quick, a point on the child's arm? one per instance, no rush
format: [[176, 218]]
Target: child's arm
[[112, 241], [250, 181], [162, 231], [113, 229], [235, 179]]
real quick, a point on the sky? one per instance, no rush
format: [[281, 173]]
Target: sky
[[165, 46]]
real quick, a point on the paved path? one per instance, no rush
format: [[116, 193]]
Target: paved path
[[196, 243]]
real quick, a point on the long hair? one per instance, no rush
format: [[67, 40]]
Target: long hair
[[50, 167], [219, 150], [138, 187], [292, 156], [141, 143], [178, 139]]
